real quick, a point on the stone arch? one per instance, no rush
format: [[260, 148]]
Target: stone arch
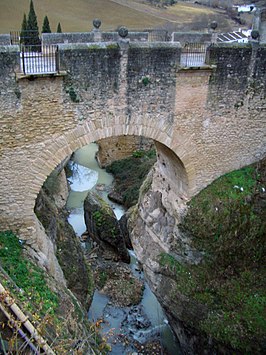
[[38, 159], [62, 146]]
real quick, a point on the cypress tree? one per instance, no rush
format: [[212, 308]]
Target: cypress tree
[[59, 29], [23, 32], [46, 26], [32, 26]]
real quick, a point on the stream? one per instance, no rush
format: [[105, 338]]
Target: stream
[[141, 323]]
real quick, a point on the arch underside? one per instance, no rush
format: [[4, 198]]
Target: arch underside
[[38, 161]]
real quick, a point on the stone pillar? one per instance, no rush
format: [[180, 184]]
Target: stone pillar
[[97, 33]]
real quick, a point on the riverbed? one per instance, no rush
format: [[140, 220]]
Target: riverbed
[[121, 326]]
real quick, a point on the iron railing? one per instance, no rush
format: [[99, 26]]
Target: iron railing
[[39, 59], [25, 37], [155, 35], [194, 54], [158, 35]]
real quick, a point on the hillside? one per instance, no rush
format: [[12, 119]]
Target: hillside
[[78, 16]]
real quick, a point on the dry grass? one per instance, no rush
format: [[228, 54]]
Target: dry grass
[[77, 15], [74, 15]]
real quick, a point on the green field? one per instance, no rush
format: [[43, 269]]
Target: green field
[[77, 15]]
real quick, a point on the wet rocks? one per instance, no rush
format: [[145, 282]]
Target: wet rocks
[[116, 281], [103, 226], [136, 320]]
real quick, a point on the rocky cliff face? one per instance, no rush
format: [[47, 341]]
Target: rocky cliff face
[[65, 244], [103, 227], [154, 226], [204, 260]]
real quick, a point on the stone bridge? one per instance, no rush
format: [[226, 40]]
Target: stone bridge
[[205, 121]]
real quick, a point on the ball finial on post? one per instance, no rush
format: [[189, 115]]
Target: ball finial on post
[[255, 34], [123, 31], [97, 23], [213, 25]]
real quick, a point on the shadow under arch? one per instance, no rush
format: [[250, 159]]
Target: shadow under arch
[[170, 168], [174, 157], [173, 172], [178, 155]]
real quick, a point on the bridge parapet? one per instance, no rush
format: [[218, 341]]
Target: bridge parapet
[[90, 37], [5, 39], [212, 118], [191, 37]]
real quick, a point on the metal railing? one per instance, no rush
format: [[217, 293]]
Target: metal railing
[[155, 35], [39, 59], [25, 37], [194, 54], [158, 35]]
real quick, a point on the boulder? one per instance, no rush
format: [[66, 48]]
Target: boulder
[[103, 227]]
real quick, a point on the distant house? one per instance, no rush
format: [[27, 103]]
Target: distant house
[[245, 8]]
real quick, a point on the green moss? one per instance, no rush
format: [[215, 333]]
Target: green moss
[[227, 222], [145, 81], [130, 173], [73, 95], [98, 218], [112, 46], [94, 46], [27, 276]]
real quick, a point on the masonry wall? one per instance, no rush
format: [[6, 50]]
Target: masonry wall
[[121, 147], [191, 37], [88, 37], [213, 119], [4, 39]]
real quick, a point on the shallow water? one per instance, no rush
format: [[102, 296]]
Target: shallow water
[[88, 175]]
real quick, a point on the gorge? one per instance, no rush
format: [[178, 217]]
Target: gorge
[[170, 256], [115, 316], [205, 122]]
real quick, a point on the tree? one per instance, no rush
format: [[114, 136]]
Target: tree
[[59, 29], [32, 27], [46, 26], [23, 32]]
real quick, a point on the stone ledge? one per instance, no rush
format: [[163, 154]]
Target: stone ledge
[[21, 76], [202, 67]]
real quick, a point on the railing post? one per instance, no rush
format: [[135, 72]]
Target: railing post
[[57, 59], [23, 60]]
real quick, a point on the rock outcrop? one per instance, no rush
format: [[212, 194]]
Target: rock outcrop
[[50, 212], [103, 227], [193, 259], [154, 232]]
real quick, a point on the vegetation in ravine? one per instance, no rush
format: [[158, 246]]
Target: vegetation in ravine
[[53, 310], [27, 284], [28, 277], [227, 222], [130, 173]]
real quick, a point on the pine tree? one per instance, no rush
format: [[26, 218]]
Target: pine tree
[[46, 26], [32, 27], [23, 32], [59, 29]]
